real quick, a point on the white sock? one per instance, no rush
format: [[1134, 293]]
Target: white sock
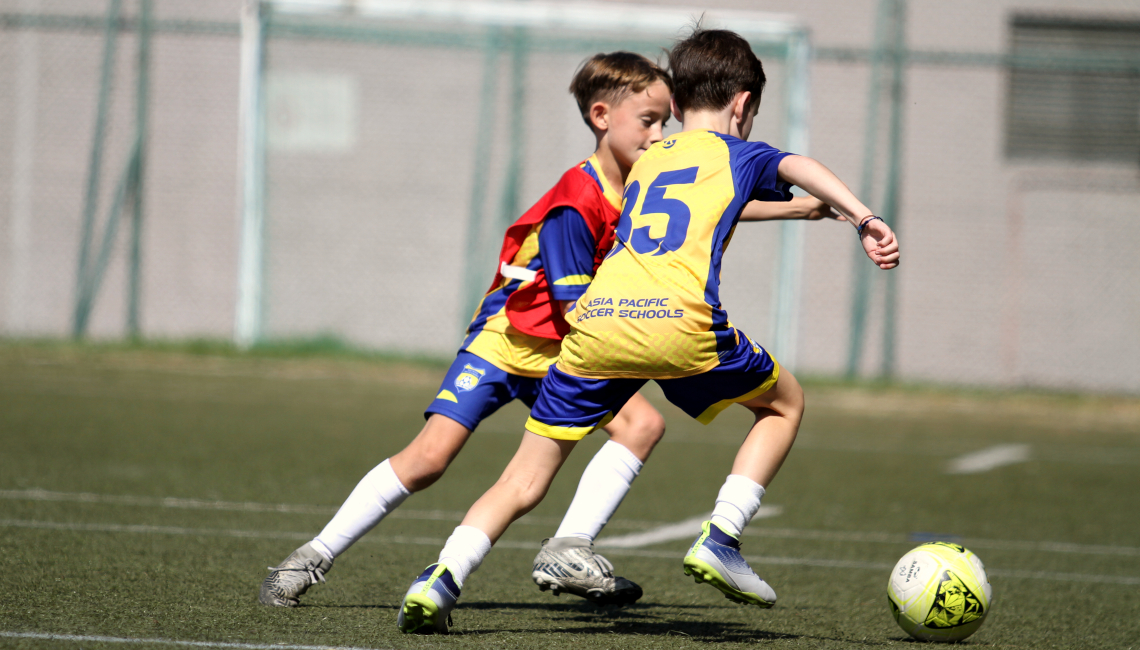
[[737, 503], [601, 489], [377, 494], [464, 552]]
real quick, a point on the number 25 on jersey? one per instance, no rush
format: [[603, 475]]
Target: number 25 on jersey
[[677, 225]]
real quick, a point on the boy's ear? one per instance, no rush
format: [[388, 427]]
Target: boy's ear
[[675, 110], [741, 104], [600, 116]]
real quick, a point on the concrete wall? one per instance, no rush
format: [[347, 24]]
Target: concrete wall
[[1013, 273]]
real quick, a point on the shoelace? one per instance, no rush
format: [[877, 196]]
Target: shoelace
[[314, 571], [604, 564]]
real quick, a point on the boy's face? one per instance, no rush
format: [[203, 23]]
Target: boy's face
[[635, 123]]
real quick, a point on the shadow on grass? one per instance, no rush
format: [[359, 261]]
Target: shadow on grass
[[576, 605], [639, 620], [393, 608]]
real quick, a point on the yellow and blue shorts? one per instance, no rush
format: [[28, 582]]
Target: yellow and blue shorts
[[569, 407], [473, 389]]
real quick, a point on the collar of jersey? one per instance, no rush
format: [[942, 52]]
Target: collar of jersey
[[612, 195]]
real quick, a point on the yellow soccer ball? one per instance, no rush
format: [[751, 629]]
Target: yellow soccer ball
[[939, 592]]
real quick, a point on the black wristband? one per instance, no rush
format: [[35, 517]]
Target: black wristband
[[866, 221]]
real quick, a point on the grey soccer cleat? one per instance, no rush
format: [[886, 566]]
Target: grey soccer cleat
[[285, 584], [569, 564]]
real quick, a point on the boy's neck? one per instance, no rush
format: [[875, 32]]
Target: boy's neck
[[722, 121], [707, 121], [614, 171]]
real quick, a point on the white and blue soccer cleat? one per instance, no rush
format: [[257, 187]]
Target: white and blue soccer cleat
[[715, 558], [427, 605]]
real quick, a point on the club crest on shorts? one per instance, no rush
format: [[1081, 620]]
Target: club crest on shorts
[[469, 378]]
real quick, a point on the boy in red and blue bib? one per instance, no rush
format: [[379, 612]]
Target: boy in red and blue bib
[[547, 261]]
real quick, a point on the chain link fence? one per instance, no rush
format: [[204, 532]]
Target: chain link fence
[[1020, 262]]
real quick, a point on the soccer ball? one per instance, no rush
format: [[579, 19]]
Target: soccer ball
[[939, 592]]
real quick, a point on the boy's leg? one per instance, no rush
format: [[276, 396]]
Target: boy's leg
[[521, 487], [471, 390], [778, 413], [567, 561], [566, 410], [715, 555], [746, 375], [380, 492], [428, 603], [634, 432]]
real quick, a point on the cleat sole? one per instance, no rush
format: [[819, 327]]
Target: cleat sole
[[598, 597], [545, 584], [420, 614]]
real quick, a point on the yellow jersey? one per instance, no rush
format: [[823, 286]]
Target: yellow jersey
[[653, 310]]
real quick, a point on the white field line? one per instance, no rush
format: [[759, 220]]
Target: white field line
[[77, 638], [443, 515], [667, 533], [36, 494], [533, 546], [1041, 453], [970, 542], [688, 528], [987, 459], [883, 566]]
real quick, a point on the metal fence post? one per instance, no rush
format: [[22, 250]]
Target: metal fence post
[[248, 319], [142, 95], [861, 273], [789, 272], [894, 169], [94, 169], [476, 254]]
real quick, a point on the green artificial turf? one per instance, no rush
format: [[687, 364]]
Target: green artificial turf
[[159, 436]]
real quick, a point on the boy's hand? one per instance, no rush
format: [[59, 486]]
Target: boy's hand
[[880, 243]]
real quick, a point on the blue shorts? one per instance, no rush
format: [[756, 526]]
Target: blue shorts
[[473, 389], [570, 407]]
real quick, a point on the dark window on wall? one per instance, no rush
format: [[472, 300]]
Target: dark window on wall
[[1074, 90]]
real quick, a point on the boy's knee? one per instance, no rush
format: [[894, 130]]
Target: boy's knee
[[651, 428], [433, 463], [525, 490], [641, 434], [797, 399], [789, 394], [425, 460], [419, 471]]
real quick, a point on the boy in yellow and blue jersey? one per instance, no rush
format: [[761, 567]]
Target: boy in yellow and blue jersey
[[653, 311]]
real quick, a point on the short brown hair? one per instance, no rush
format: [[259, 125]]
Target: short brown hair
[[611, 77], [710, 67]]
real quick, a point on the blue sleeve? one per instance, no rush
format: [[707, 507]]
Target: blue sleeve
[[567, 249], [755, 168]]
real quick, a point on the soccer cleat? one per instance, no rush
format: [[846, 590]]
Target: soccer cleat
[[715, 558], [427, 605], [285, 584], [569, 564]]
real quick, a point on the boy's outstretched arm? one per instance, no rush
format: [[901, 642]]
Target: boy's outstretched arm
[[876, 236], [800, 207]]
